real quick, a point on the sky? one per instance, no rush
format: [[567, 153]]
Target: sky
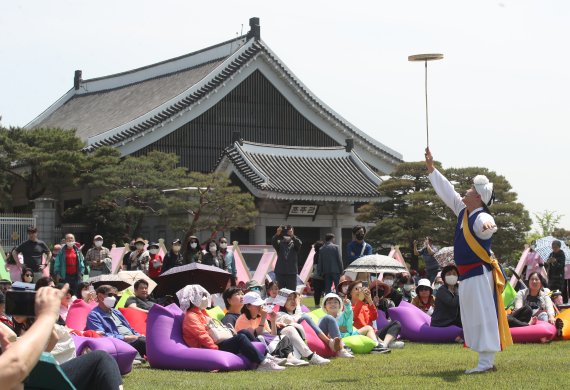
[[499, 99]]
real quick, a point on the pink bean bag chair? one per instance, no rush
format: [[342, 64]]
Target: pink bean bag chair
[[416, 325], [77, 314], [541, 332], [315, 343], [165, 347], [122, 352], [136, 318]]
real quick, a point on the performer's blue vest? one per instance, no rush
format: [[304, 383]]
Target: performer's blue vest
[[462, 252]]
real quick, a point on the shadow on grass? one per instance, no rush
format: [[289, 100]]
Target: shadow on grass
[[448, 376], [341, 380]]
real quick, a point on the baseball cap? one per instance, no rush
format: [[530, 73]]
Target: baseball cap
[[253, 298]]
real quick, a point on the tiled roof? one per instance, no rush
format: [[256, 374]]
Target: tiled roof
[[293, 172]]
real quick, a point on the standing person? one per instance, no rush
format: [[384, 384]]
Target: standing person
[[155, 265], [427, 252], [330, 263], [69, 266], [139, 258], [212, 256], [33, 250], [556, 261], [485, 325], [533, 263], [358, 247], [228, 257], [194, 252], [174, 256], [287, 245], [126, 266], [317, 279], [96, 258]]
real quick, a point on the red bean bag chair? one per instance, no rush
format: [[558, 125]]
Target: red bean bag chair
[[315, 343], [136, 318], [77, 314], [541, 332]]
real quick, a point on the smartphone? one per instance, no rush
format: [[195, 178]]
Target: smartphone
[[21, 303], [365, 284], [268, 308]]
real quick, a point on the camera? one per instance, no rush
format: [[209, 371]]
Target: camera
[[21, 303], [285, 229]]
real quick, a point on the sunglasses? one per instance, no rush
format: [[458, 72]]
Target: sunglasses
[[28, 275]]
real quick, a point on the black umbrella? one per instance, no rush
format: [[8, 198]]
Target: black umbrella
[[111, 280], [211, 278]]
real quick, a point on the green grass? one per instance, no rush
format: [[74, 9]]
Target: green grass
[[536, 366]]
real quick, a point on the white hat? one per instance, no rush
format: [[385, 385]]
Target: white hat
[[484, 188], [253, 298], [333, 296], [424, 283]]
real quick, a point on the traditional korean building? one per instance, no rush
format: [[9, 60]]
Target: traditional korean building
[[235, 107]]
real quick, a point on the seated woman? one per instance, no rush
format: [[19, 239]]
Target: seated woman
[[233, 299], [193, 300], [532, 304], [437, 283], [86, 292], [291, 313], [394, 294], [424, 299], [446, 311], [365, 313], [333, 306], [407, 288], [254, 320]]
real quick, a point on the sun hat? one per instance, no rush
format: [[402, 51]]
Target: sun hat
[[253, 298], [424, 283]]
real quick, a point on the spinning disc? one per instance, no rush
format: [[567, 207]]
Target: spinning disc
[[425, 57]]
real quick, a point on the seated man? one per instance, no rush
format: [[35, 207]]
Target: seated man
[[233, 299], [141, 299], [106, 320]]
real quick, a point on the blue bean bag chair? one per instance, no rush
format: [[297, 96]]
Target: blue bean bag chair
[[416, 325], [165, 347]]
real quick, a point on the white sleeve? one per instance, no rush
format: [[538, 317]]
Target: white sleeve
[[478, 226], [445, 190]]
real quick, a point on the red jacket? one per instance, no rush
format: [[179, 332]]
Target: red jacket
[[154, 272], [364, 314], [194, 329]]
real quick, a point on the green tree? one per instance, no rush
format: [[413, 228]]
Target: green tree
[[547, 221], [44, 160]]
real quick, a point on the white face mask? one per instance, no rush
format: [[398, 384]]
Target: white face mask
[[98, 243], [451, 279], [175, 248], [389, 282], [70, 244], [110, 302], [436, 286], [193, 245], [139, 246], [223, 245], [204, 303], [153, 251], [408, 287]]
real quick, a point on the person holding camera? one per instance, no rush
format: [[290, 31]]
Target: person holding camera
[[287, 245], [427, 252]]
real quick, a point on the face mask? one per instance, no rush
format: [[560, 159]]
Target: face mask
[[132, 247], [70, 244], [139, 246], [153, 251], [436, 286], [204, 303], [85, 294], [110, 302], [176, 248], [360, 236], [389, 282], [408, 287], [193, 245], [223, 245], [451, 280], [98, 243]]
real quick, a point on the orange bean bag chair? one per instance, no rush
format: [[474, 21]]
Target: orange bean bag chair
[[137, 318], [565, 317]]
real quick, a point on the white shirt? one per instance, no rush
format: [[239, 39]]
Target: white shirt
[[452, 199]]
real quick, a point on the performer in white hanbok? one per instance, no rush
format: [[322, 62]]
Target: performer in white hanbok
[[485, 326]]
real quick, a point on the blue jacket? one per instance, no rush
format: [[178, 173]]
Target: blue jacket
[[354, 250], [100, 320], [59, 267]]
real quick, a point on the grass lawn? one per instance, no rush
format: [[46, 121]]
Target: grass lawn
[[536, 366]]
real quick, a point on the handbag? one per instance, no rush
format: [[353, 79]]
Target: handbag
[[218, 331]]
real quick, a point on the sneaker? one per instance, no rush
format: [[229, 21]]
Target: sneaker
[[269, 365], [380, 349], [293, 361], [316, 359], [136, 362], [335, 344], [344, 354], [276, 360], [396, 345]]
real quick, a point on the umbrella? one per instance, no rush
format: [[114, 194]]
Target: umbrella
[[213, 279], [543, 246], [376, 264], [444, 256], [132, 276], [111, 279]]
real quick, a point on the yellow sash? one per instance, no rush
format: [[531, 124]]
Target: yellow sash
[[500, 282]]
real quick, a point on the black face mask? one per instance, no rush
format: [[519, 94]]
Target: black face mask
[[360, 236]]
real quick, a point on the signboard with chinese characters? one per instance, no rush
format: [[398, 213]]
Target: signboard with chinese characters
[[308, 210]]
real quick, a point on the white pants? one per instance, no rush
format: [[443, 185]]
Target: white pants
[[479, 313], [298, 344]]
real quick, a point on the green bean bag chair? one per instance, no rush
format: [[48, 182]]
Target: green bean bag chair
[[216, 312], [316, 315], [359, 343]]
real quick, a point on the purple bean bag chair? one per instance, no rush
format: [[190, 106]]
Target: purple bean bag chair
[[165, 347], [541, 332], [416, 325], [122, 352]]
